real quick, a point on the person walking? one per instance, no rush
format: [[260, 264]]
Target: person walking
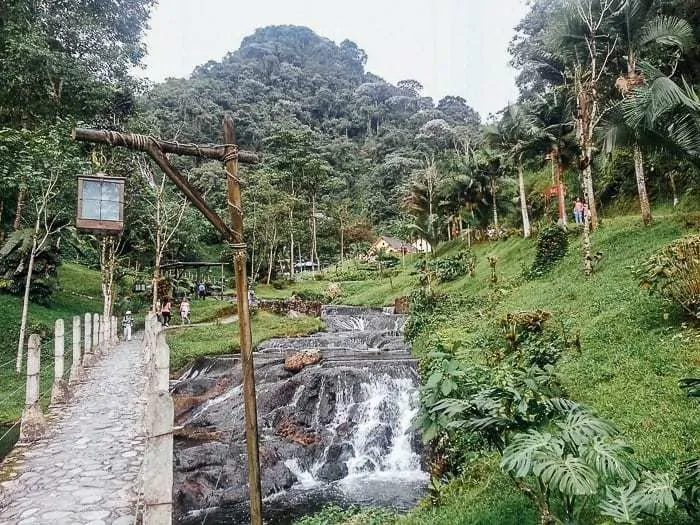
[[185, 311], [201, 290], [127, 323], [165, 311]]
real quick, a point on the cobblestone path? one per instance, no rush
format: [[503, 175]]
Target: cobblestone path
[[86, 469]]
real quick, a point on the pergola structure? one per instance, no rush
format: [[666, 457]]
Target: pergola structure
[[180, 266]]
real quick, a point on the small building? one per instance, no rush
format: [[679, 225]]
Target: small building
[[391, 245], [306, 266]]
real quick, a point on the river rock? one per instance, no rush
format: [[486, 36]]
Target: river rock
[[299, 360]]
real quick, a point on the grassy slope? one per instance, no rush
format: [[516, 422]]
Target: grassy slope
[[79, 293], [631, 359], [190, 343]]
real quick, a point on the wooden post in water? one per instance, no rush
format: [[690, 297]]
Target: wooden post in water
[[76, 367], [245, 336], [59, 391], [33, 422]]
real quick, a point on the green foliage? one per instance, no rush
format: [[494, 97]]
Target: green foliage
[[552, 244], [450, 267], [674, 273], [333, 515], [14, 265]]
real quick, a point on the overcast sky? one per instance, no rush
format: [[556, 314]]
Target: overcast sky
[[453, 47]]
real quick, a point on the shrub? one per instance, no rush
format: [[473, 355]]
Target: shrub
[[674, 273], [552, 243]]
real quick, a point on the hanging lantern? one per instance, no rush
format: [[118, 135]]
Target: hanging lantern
[[100, 204]]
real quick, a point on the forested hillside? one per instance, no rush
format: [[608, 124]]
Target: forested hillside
[[334, 137]]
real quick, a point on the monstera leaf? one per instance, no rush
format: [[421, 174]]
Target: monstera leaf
[[521, 456], [610, 459], [569, 475]]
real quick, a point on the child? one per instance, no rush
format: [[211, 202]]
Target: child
[[185, 310]]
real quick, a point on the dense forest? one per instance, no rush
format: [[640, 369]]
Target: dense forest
[[608, 113]]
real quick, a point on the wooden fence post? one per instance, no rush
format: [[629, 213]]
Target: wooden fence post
[[59, 391], [76, 367], [115, 334], [33, 423], [158, 459], [96, 335], [87, 353]]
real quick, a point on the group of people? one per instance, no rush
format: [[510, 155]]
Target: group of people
[[580, 211], [166, 311]]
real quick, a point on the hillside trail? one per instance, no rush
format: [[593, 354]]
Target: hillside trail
[[86, 469]]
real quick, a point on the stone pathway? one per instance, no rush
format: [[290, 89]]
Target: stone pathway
[[86, 469]]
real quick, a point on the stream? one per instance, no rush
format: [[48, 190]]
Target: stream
[[339, 431]]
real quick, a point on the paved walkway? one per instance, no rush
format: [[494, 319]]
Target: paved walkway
[[85, 471]]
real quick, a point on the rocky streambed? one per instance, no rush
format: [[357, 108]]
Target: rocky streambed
[[336, 431]]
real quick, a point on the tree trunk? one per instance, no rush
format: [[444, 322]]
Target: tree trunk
[[342, 243], [641, 185], [672, 179], [586, 244], [25, 302], [107, 268], [2, 224], [21, 198], [493, 203], [587, 175], [272, 254], [561, 203], [523, 202], [314, 249], [291, 242]]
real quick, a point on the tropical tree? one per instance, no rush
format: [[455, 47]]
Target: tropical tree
[[514, 134], [640, 28]]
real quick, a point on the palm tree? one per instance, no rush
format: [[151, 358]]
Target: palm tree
[[554, 111], [639, 28], [514, 135], [668, 113]]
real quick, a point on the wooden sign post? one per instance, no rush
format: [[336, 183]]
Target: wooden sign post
[[229, 154]]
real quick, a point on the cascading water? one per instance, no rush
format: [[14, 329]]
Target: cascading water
[[340, 431]]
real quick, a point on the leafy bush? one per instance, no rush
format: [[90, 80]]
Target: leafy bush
[[449, 267], [308, 295], [674, 273], [334, 515], [14, 264], [552, 244], [281, 284]]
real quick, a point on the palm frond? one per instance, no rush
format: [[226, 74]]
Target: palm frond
[[667, 30]]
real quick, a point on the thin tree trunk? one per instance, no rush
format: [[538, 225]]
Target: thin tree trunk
[[342, 242], [2, 224], [641, 185], [314, 247], [586, 244], [561, 203], [588, 191], [19, 209], [672, 179], [25, 302], [272, 254], [291, 242], [523, 202], [493, 203]]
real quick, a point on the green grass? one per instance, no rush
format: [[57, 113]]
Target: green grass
[[79, 293], [635, 348], [188, 344]]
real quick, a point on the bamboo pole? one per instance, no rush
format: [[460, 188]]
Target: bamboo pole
[[245, 335]]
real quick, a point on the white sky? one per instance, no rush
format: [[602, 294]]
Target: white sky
[[453, 47]]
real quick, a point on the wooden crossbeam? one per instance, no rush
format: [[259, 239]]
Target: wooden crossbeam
[[138, 142]]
